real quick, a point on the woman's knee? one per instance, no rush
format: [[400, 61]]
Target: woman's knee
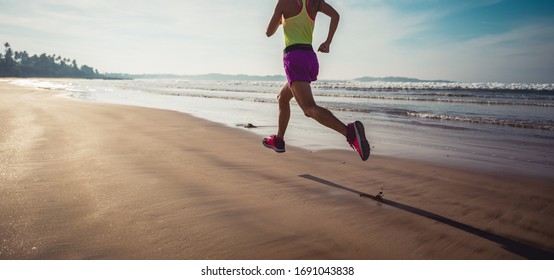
[[283, 100], [310, 111], [284, 96]]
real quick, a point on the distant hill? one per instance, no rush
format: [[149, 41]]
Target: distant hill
[[203, 77], [270, 78], [240, 77], [398, 80]]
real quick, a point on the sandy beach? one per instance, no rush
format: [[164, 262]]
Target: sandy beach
[[83, 180]]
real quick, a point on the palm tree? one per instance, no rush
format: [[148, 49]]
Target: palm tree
[[17, 56], [7, 46], [24, 57]]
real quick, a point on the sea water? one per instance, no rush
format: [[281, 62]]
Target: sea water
[[500, 127]]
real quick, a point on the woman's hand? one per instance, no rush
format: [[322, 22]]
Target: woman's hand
[[325, 47]]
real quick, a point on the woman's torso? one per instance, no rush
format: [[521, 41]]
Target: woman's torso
[[299, 21]]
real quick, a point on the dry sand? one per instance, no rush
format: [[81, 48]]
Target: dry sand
[[82, 180]]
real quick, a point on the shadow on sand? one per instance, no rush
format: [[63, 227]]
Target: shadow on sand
[[516, 247]]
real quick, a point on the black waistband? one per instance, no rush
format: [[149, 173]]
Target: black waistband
[[296, 47]]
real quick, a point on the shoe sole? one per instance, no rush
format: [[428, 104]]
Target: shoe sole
[[273, 148], [364, 144]]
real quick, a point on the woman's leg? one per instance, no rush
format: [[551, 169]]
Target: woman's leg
[[284, 109], [302, 92]]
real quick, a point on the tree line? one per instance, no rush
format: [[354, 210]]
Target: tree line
[[21, 64]]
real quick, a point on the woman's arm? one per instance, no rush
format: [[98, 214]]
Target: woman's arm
[[335, 17], [275, 20]]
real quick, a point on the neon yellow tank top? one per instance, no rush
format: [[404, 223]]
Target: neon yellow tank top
[[299, 29]]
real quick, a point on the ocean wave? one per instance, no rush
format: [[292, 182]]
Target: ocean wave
[[41, 84], [353, 85], [213, 91], [359, 85], [485, 120], [539, 102], [345, 90]]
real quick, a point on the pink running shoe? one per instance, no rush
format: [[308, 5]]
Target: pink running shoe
[[356, 138], [275, 143]]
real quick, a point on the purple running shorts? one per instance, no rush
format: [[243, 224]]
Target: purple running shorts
[[301, 65]]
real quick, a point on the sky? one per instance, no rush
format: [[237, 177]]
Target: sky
[[458, 40]]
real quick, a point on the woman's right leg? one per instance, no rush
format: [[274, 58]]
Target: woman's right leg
[[354, 132], [302, 92]]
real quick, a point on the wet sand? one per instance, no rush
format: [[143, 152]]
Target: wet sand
[[82, 180]]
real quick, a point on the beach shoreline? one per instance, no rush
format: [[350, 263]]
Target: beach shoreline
[[84, 180]]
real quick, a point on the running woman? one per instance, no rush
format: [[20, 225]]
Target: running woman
[[301, 67]]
